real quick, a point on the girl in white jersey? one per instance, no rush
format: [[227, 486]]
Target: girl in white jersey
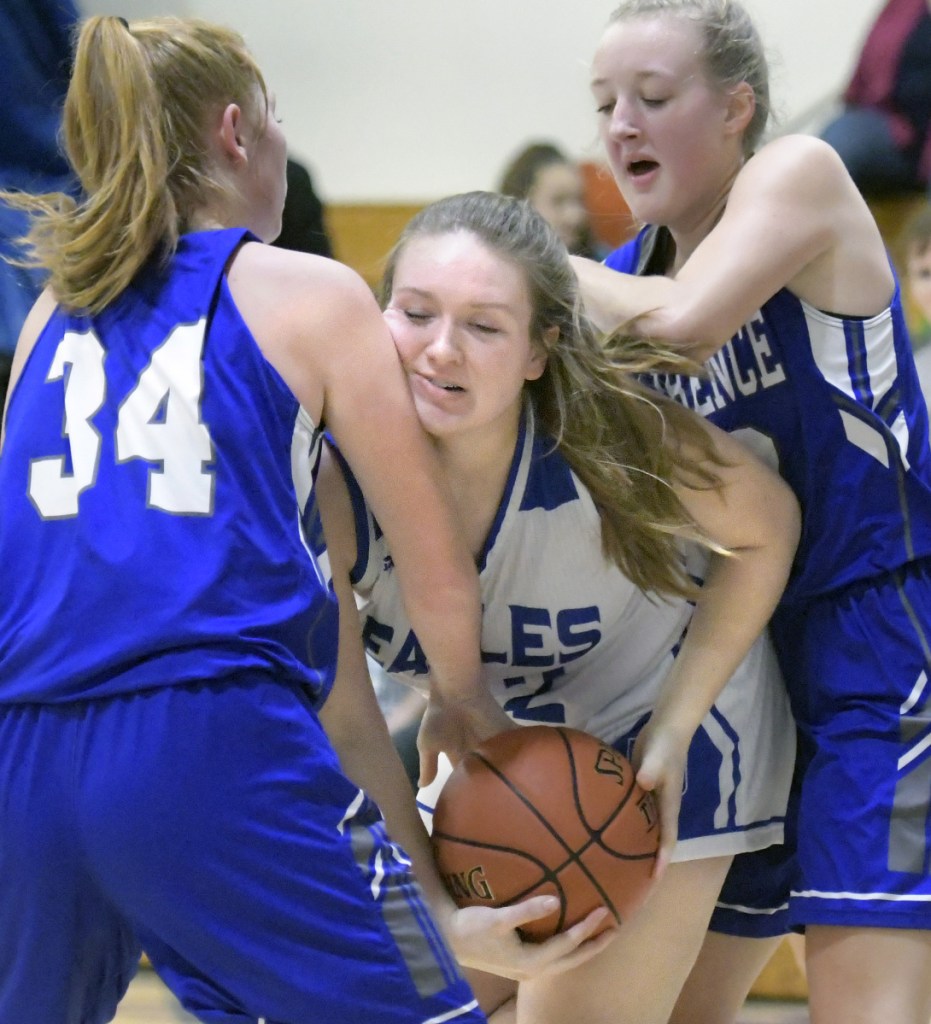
[[766, 262], [581, 495]]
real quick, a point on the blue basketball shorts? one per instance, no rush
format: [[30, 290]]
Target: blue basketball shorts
[[857, 665], [212, 827]]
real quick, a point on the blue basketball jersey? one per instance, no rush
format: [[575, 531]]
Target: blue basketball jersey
[[152, 480], [835, 405]]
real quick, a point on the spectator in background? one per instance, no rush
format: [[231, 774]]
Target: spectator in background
[[303, 223], [542, 174], [883, 134], [34, 73]]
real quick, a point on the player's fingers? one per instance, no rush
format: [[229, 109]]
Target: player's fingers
[[428, 766], [576, 945], [646, 779], [526, 911], [668, 800]]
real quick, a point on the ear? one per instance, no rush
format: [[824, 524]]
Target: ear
[[232, 144], [741, 105], [536, 364]]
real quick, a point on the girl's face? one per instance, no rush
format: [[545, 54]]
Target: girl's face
[[460, 316], [665, 127], [558, 196]]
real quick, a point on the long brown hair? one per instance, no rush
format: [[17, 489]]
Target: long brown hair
[[135, 118], [626, 443]]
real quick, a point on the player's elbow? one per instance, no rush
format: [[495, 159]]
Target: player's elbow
[[686, 329]]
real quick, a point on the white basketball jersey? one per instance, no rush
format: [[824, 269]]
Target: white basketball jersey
[[568, 639]]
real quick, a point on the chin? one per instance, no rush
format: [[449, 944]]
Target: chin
[[435, 426]]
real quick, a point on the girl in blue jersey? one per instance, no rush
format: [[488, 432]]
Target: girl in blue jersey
[[168, 638], [581, 496], [764, 262]]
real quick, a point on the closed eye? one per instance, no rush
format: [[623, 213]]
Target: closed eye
[[416, 317]]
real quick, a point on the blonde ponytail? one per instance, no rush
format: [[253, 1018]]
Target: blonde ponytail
[[134, 127]]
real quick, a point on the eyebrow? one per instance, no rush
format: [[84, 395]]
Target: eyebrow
[[424, 293], [640, 75]]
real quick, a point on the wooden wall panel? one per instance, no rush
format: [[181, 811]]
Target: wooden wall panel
[[363, 233]]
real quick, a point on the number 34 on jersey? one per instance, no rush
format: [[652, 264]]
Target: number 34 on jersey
[[159, 421]]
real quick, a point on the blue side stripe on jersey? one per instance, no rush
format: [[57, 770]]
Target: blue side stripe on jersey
[[889, 407], [894, 457], [729, 731], [359, 515], [505, 503], [855, 338]]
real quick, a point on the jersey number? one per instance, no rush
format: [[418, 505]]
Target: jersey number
[[158, 421], [521, 708]]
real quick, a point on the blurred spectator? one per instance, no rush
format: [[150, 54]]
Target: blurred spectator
[[34, 75], [542, 174], [883, 134], [303, 225]]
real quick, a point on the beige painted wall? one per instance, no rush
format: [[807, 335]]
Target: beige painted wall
[[406, 100]]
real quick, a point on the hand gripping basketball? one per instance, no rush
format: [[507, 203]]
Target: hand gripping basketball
[[546, 810]]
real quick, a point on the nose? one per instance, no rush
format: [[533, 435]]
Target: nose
[[623, 123], [444, 347]]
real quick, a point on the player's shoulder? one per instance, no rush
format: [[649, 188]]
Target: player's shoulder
[[288, 296], [795, 161], [296, 275]]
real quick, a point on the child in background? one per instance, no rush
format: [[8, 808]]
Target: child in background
[[542, 174]]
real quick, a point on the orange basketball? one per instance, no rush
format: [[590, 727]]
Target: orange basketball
[[546, 810]]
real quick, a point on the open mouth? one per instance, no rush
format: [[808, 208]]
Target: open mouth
[[637, 168]]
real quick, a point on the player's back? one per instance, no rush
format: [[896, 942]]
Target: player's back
[[150, 531]]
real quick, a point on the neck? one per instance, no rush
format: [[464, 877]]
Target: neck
[[690, 233], [476, 471]]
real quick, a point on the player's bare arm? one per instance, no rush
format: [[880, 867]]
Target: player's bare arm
[[791, 218], [755, 517]]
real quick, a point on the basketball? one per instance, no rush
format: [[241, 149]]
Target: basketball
[[546, 810]]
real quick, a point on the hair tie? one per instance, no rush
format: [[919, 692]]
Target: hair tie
[[123, 22]]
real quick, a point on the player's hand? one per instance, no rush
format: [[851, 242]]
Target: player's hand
[[659, 760], [485, 938], [456, 728]]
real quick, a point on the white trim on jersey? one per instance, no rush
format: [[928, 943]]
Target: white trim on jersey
[[872, 897]]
